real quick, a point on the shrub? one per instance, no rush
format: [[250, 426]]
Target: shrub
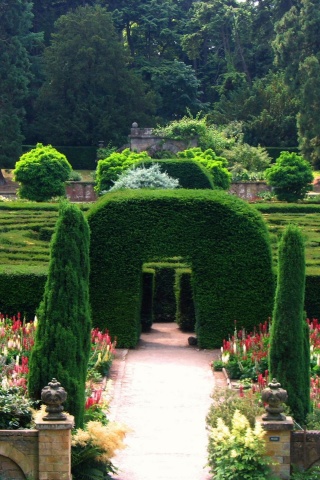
[[74, 176], [214, 164], [63, 342], [238, 452], [93, 447], [142, 177], [42, 173], [226, 401], [15, 409], [191, 174], [114, 165], [253, 159], [291, 177]]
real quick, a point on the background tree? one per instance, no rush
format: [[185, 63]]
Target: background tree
[[15, 26], [89, 93], [291, 177], [63, 339], [42, 173], [289, 360], [297, 48]]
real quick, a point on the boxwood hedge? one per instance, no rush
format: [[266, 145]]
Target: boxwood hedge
[[191, 174], [222, 238]]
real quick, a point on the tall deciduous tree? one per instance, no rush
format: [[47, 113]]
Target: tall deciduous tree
[[15, 25], [289, 360], [63, 337], [297, 48], [89, 93]]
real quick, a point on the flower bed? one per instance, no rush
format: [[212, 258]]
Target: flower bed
[[16, 342], [245, 358]]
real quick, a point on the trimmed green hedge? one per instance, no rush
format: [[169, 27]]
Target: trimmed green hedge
[[287, 207], [164, 308], [185, 314], [312, 296], [191, 174], [22, 292], [222, 238], [81, 158], [147, 300]]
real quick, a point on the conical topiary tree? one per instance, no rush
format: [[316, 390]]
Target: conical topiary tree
[[289, 359], [62, 343]]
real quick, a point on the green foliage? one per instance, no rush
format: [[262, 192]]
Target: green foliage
[[111, 167], [82, 99], [164, 307], [289, 360], [147, 299], [177, 88], [80, 158], [15, 75], [141, 177], [189, 127], [191, 174], [15, 409], [75, 176], [238, 452], [311, 474], [185, 314], [291, 177], [63, 342], [22, 291], [214, 164], [253, 159], [133, 227], [42, 173]]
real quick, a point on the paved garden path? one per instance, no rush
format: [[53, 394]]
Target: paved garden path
[[161, 390]]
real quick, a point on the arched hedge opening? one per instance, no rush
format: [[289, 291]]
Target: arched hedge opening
[[222, 238]]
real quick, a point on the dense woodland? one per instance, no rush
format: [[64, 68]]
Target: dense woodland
[[73, 72]]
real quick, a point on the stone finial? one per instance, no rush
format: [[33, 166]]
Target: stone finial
[[134, 125], [274, 396], [53, 395]]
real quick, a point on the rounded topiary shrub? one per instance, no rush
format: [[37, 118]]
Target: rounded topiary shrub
[[42, 173]]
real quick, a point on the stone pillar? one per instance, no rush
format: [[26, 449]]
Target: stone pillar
[[278, 436], [55, 449]]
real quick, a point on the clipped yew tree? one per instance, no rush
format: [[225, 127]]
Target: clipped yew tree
[[42, 173], [223, 240], [289, 358], [63, 339]]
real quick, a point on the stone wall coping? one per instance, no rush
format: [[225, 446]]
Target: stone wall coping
[[67, 424], [276, 425], [19, 433]]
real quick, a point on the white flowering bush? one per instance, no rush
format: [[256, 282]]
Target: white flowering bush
[[238, 453], [142, 177]]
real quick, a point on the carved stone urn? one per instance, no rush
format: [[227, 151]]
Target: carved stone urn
[[53, 395], [274, 396]]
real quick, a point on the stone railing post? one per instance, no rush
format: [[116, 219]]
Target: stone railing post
[[278, 429], [54, 435]]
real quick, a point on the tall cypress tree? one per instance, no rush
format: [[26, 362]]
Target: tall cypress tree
[[62, 343], [289, 360]]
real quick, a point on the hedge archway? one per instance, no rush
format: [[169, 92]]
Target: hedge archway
[[222, 238]]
